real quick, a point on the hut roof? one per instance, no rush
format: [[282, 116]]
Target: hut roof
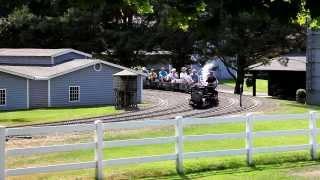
[[126, 73], [283, 63]]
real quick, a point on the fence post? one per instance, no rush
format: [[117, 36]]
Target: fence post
[[249, 143], [179, 144], [2, 153], [99, 149], [313, 134]]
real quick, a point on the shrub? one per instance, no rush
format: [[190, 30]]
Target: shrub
[[301, 96], [249, 82]]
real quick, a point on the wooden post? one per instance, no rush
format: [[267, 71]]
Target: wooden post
[[99, 149], [254, 86], [2, 153], [249, 143], [179, 144], [313, 134]]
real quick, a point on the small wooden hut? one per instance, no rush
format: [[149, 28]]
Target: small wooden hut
[[126, 89]]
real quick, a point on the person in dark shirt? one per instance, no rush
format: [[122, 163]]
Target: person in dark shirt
[[194, 76], [211, 79]]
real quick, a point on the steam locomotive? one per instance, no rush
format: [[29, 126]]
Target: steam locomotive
[[202, 96]]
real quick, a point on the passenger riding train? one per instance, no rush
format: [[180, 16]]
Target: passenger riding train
[[203, 93]]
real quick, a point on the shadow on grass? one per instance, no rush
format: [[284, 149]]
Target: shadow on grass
[[294, 104], [240, 170], [283, 161], [18, 120]]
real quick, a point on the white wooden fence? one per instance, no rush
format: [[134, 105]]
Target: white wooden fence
[[178, 139]]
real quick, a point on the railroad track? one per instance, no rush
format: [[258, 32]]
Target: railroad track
[[252, 105], [167, 105]]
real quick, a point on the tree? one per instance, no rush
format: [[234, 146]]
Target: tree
[[251, 32], [125, 27]]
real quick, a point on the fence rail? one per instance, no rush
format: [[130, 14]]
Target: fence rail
[[99, 144]]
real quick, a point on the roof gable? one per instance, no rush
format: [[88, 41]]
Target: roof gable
[[45, 73], [126, 73], [32, 52]]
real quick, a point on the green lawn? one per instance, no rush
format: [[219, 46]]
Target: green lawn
[[262, 85], [275, 166], [34, 116]]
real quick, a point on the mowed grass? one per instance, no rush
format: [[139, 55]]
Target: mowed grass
[[270, 165], [45, 115], [261, 85]]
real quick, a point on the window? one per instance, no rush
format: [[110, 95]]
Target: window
[[74, 93], [3, 97], [97, 67]]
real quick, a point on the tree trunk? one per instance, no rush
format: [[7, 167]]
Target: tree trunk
[[179, 61], [240, 75], [239, 81]]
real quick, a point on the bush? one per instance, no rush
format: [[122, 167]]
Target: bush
[[301, 95], [249, 82]]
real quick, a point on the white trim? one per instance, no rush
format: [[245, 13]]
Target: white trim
[[5, 96], [69, 51], [95, 68], [78, 94], [28, 94], [49, 93]]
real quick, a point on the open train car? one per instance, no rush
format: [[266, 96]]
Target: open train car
[[167, 86]]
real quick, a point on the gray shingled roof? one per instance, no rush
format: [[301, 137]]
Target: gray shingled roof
[[284, 63], [37, 52], [44, 73]]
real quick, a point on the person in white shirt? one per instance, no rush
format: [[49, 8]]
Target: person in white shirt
[[172, 75], [183, 74]]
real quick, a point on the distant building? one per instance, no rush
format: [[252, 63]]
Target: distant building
[[33, 78], [222, 72], [285, 75]]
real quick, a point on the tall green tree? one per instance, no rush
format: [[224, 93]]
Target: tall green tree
[[251, 32]]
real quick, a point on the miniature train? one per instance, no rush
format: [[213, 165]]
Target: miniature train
[[201, 96]]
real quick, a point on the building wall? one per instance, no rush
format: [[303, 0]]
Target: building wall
[[16, 88], [38, 93], [313, 68], [284, 84], [67, 57], [26, 60], [96, 87]]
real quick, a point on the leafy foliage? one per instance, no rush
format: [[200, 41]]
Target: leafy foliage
[[252, 30], [252, 33]]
